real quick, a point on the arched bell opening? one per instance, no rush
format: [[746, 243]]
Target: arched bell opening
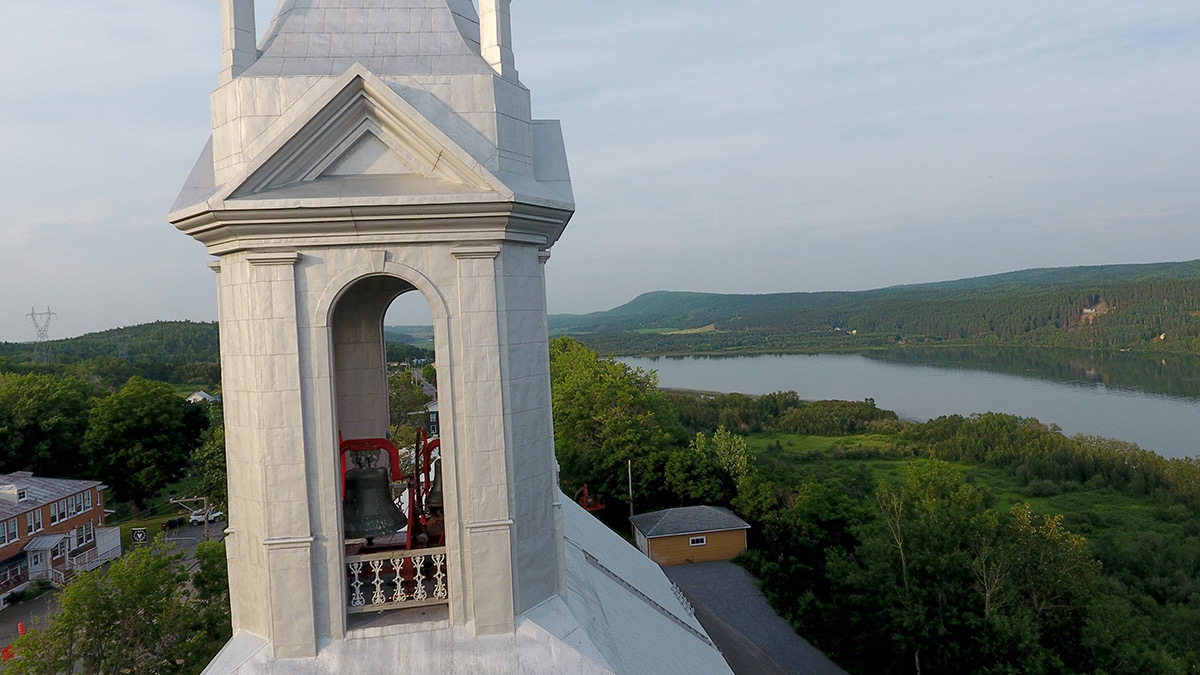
[[393, 515]]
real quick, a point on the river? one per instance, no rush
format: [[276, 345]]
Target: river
[[1151, 401]]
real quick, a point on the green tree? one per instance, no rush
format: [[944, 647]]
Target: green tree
[[210, 462], [42, 422], [139, 438], [429, 374], [212, 625], [605, 414], [1054, 575], [695, 475], [730, 449], [910, 583], [407, 402], [141, 615]]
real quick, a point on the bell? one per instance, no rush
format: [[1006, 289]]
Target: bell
[[368, 510], [434, 499]]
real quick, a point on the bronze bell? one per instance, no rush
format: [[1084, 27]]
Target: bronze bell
[[368, 510], [434, 500]]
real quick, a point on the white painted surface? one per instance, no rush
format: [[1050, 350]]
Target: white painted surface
[[603, 626], [366, 152]]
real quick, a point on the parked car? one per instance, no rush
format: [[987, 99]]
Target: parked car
[[197, 517]]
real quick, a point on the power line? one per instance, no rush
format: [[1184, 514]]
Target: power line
[[42, 352]]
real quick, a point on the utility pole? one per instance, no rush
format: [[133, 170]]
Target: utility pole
[[41, 323], [629, 470], [204, 505]]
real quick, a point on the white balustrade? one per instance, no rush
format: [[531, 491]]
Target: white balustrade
[[397, 579]]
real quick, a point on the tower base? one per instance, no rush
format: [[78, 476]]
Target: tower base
[[621, 615]]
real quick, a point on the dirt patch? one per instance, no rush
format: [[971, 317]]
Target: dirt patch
[[1090, 313]]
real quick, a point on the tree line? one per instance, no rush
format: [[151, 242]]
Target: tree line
[[1156, 311], [182, 352], [135, 439], [919, 571]]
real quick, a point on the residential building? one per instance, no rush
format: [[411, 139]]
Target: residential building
[[690, 534], [201, 396], [51, 528]]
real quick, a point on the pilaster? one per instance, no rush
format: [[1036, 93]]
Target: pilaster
[[484, 480], [267, 334]]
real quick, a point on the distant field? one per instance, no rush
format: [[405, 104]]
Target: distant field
[[1089, 510]]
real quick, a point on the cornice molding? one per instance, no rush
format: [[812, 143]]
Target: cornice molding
[[289, 258], [476, 253]]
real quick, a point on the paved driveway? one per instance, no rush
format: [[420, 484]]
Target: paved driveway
[[753, 638]]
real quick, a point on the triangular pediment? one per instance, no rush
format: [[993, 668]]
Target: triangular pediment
[[364, 130], [369, 156]]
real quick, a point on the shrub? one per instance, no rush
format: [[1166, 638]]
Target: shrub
[[38, 587], [1041, 488]]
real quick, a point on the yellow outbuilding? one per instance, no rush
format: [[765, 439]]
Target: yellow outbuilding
[[690, 534]]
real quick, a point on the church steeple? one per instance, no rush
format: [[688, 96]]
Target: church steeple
[[373, 148], [445, 59], [363, 153]]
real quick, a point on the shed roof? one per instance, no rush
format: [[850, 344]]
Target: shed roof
[[687, 520], [44, 542]]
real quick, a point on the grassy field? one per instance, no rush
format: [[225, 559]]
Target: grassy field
[[1088, 509]]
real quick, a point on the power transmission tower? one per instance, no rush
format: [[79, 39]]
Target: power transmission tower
[[123, 350], [42, 352]]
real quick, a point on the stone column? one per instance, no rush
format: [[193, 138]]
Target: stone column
[[270, 543], [484, 483]]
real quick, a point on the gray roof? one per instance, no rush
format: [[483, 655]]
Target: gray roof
[[687, 520], [39, 491], [44, 542]]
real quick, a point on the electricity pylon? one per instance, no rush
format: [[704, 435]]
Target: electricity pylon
[[42, 352]]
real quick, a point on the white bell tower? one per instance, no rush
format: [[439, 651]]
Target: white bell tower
[[362, 150], [365, 153]]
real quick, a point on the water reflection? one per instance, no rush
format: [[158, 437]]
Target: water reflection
[[1176, 375], [1155, 403]]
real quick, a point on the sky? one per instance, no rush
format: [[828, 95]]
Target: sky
[[732, 147]]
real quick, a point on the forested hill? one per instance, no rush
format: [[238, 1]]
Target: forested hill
[[1154, 306], [180, 352], [158, 342]]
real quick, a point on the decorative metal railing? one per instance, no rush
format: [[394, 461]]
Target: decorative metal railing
[[397, 579]]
